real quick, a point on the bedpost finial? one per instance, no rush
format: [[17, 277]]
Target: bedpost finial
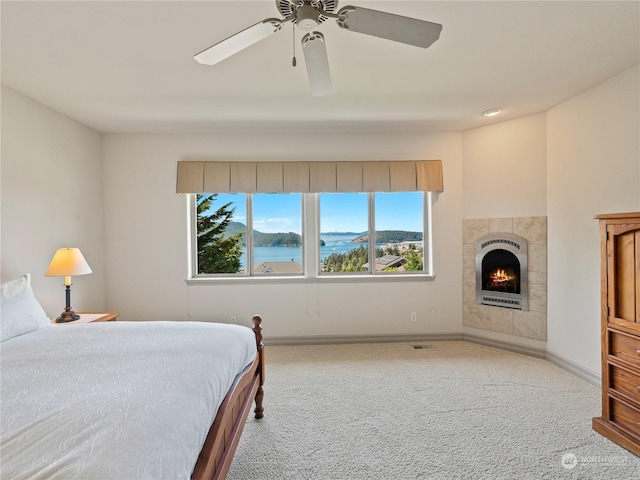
[[257, 329]]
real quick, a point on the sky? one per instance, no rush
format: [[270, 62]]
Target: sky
[[345, 212]]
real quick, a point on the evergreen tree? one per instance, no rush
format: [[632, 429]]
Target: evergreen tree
[[414, 260], [217, 252], [351, 261], [392, 250]]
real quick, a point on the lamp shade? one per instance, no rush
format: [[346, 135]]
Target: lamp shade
[[68, 262]]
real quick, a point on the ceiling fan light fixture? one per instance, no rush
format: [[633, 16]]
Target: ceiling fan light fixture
[[315, 57], [307, 18], [492, 112]]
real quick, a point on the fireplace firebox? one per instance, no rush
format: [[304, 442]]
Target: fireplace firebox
[[501, 271]]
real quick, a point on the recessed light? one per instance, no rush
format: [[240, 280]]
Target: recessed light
[[492, 112]]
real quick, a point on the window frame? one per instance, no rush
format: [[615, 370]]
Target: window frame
[[310, 250]]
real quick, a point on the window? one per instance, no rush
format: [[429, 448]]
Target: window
[[277, 234], [395, 222], [344, 228], [323, 235], [244, 234], [399, 232]]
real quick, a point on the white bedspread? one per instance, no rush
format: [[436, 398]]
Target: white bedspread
[[116, 400]]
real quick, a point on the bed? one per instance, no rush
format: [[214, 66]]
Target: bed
[[122, 400]]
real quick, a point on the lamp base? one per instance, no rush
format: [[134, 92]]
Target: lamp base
[[67, 316]]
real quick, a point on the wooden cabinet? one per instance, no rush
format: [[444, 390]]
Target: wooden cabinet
[[620, 285]]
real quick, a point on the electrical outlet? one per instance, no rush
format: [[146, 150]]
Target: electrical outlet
[[414, 317], [233, 319]]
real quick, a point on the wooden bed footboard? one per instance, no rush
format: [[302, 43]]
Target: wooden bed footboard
[[220, 445]]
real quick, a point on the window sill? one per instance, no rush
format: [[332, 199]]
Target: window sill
[[285, 279]]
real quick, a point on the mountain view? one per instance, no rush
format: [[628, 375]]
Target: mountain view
[[291, 239]]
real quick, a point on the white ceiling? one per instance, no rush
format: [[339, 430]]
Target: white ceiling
[[125, 66]]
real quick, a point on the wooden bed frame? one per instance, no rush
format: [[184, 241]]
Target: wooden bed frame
[[215, 458]]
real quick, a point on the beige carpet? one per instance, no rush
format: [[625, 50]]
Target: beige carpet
[[452, 410]]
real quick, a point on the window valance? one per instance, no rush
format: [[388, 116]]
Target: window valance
[[305, 177]]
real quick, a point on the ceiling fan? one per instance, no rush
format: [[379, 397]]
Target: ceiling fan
[[307, 15]]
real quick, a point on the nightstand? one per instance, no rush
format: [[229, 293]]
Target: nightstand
[[91, 317]]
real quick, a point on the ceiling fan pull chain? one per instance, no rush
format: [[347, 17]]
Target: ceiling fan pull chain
[[293, 29]]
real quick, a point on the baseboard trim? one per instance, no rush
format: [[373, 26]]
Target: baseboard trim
[[577, 370], [342, 339], [511, 347]]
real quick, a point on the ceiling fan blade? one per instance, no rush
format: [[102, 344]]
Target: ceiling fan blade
[[239, 41], [315, 57], [411, 31]]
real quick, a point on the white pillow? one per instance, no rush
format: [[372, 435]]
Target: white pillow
[[20, 311]]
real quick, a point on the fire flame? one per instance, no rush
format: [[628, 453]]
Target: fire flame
[[500, 277]]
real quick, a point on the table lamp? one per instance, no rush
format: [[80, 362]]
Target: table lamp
[[65, 263]]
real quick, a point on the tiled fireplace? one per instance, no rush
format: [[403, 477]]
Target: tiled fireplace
[[505, 276]]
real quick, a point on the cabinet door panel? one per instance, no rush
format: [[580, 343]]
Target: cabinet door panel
[[624, 272]]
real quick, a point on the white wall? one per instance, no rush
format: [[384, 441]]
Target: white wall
[[593, 166], [51, 197], [504, 176], [504, 169], [146, 238], [579, 159]]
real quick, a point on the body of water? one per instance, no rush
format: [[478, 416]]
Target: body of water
[[333, 244]]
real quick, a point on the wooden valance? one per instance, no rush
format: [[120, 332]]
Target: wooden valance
[[305, 177]]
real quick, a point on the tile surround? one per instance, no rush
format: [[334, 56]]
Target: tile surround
[[530, 323]]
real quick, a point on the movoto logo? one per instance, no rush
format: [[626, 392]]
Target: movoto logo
[[569, 461]]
